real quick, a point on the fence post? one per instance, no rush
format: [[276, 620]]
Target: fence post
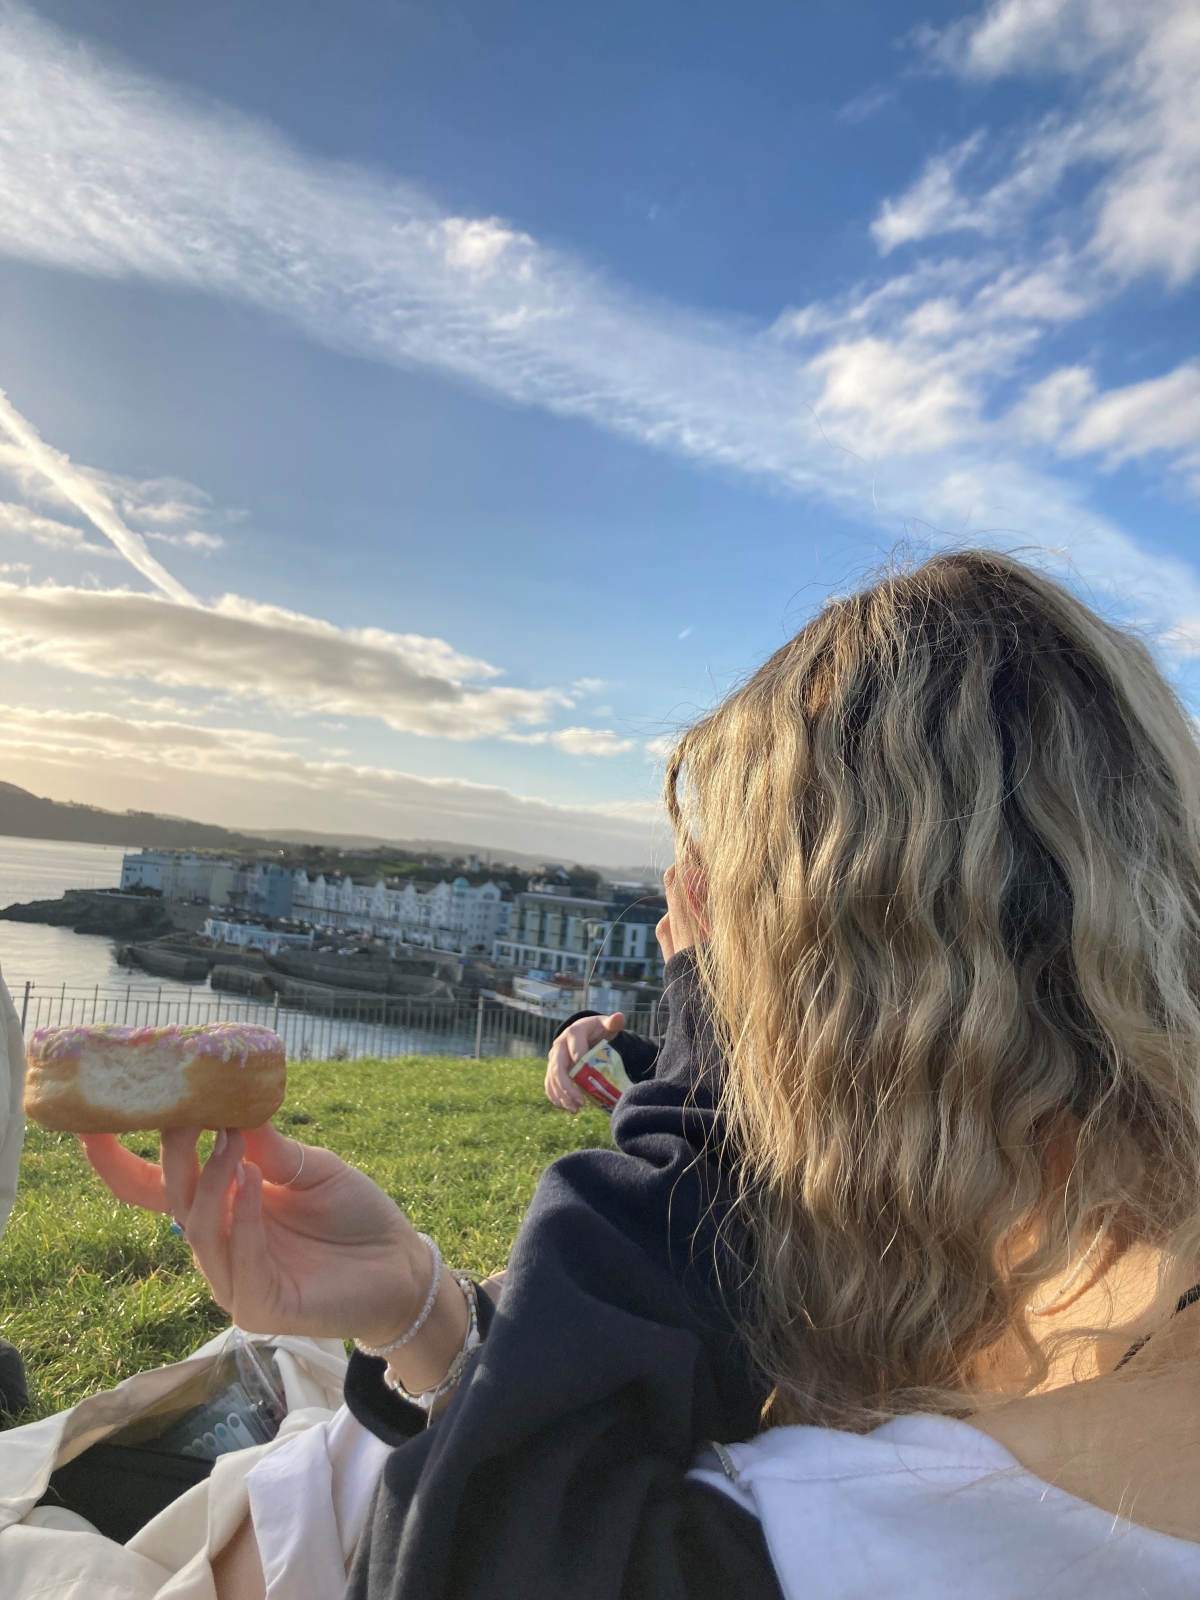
[[25, 1004], [275, 1017], [479, 1029]]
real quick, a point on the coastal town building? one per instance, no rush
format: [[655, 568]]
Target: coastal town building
[[262, 889], [179, 875], [253, 936], [449, 916], [554, 931]]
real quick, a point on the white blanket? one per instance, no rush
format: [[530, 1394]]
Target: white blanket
[[307, 1491]]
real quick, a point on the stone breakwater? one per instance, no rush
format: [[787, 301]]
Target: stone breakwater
[[97, 911]]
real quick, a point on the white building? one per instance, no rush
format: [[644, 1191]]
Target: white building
[[179, 875], [253, 936], [450, 916], [553, 931]]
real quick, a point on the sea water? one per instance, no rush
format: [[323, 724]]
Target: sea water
[[40, 869]]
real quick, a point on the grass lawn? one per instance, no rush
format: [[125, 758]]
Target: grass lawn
[[91, 1291]]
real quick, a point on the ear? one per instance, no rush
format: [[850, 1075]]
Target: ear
[[695, 889]]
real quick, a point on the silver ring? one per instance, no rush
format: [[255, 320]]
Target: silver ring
[[299, 1169]]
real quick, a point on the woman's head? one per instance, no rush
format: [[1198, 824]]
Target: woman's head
[[951, 840]]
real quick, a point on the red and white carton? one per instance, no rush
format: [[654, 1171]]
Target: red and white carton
[[601, 1075]]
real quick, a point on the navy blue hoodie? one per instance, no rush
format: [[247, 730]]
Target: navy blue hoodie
[[558, 1469]]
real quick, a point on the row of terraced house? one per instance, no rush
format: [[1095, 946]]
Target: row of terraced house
[[547, 929]]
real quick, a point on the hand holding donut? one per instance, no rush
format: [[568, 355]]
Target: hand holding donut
[[287, 1248]]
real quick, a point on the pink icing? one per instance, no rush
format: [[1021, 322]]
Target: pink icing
[[226, 1040]]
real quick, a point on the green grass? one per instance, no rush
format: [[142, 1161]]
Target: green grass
[[91, 1291]]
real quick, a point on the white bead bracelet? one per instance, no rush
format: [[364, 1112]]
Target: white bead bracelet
[[423, 1314]]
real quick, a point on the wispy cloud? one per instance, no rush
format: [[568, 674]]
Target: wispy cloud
[[866, 104], [184, 768], [194, 539], [88, 497], [1136, 64], [242, 650], [892, 402], [237, 648], [1158, 417], [48, 531], [249, 651]]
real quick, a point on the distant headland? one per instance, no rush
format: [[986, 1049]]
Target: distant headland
[[29, 816]]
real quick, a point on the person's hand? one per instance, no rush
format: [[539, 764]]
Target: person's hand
[[684, 924], [572, 1045], [328, 1254]]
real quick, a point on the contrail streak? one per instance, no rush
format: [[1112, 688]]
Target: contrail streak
[[89, 498]]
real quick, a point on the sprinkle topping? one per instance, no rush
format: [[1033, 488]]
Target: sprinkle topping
[[226, 1040]]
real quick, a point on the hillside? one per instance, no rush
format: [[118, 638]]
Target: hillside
[[28, 816]]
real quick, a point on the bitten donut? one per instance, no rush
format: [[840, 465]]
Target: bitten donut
[[112, 1079]]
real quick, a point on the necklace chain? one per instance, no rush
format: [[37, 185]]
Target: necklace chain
[[1043, 1308]]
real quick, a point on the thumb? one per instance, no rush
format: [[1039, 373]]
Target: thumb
[[613, 1024]]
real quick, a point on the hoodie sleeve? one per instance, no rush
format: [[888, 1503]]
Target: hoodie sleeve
[[612, 1358]]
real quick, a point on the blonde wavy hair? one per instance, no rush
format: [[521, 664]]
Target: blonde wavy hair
[[951, 839]]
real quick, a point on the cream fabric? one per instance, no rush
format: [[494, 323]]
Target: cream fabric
[[12, 1101], [171, 1558], [331, 1471]]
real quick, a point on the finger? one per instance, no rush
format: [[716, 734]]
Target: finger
[[570, 1096], [180, 1168], [252, 1271], [554, 1091], [559, 1089], [613, 1024], [579, 1038], [284, 1161], [136, 1182], [207, 1223]]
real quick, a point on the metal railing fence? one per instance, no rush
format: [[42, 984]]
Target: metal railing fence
[[352, 1024]]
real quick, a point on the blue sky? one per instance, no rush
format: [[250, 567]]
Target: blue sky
[[414, 413]]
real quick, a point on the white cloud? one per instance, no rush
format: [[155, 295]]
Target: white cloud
[[1065, 36], [590, 742], [243, 650], [892, 399], [47, 531], [249, 651], [87, 496], [477, 246], [1160, 416], [866, 104], [933, 204], [1138, 65], [105, 172], [248, 779], [194, 539]]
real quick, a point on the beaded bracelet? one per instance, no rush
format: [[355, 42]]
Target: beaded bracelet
[[428, 1398], [422, 1316]]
